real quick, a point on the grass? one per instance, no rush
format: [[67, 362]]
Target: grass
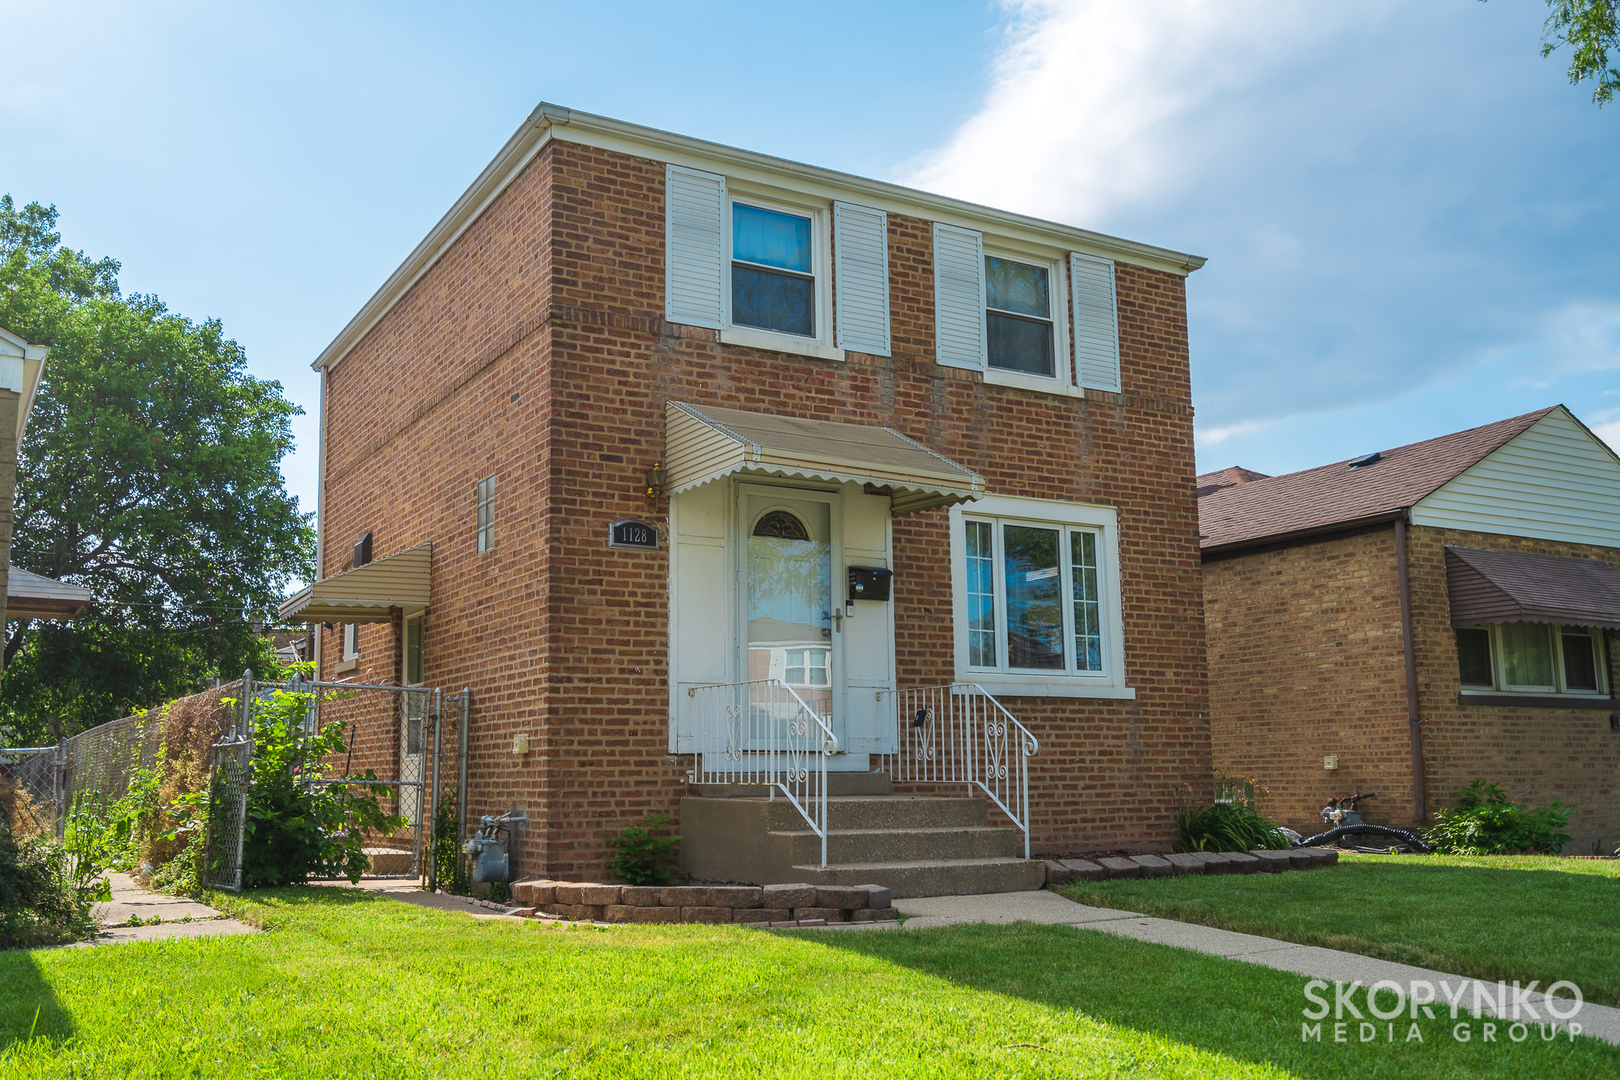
[[348, 984], [1498, 917]]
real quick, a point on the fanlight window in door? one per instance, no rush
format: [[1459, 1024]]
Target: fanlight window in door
[[781, 525]]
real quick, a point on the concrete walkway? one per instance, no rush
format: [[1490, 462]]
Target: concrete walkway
[[130, 901], [1598, 1021]]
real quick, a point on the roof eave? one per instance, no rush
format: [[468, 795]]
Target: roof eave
[[1370, 520]]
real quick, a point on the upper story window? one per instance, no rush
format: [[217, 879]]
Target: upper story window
[[1018, 316], [761, 267], [1536, 658], [485, 498], [773, 283]]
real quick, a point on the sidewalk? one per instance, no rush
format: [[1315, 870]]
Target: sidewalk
[[1598, 1021], [129, 901]]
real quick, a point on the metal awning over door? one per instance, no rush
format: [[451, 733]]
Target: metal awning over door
[[704, 443], [34, 596], [1488, 587], [366, 593]]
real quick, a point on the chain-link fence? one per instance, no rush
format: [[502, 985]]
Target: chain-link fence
[[37, 771], [229, 764]]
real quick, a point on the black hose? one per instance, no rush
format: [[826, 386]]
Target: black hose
[[1374, 830]]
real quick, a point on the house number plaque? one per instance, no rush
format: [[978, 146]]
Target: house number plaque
[[633, 534]]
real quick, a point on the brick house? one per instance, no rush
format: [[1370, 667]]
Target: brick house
[[1408, 621], [644, 416]]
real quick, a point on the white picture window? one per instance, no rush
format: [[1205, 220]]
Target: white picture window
[[1533, 658], [1036, 591], [485, 498]]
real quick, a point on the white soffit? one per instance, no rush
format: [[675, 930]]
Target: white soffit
[[549, 122], [703, 443], [366, 593], [21, 366]]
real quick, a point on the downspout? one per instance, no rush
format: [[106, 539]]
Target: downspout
[[320, 516], [1414, 721]]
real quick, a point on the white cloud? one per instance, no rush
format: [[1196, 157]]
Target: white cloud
[[1090, 100], [1580, 336]]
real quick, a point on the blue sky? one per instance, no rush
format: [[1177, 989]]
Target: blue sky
[[1410, 216]]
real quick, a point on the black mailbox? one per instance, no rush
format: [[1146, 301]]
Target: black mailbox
[[869, 582]]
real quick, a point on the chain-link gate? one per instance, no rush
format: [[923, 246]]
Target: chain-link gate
[[409, 739], [37, 771]]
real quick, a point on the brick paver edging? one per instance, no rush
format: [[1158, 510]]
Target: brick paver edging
[[753, 905], [1062, 871]]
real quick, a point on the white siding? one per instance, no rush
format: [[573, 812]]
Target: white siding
[[868, 647], [1096, 321], [700, 600], [861, 277], [1553, 482], [694, 217], [959, 296]]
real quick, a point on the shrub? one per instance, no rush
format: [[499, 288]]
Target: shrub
[[41, 903], [1485, 821], [449, 868], [1232, 822], [304, 819], [640, 850]]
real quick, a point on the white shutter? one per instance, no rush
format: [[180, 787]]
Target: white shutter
[[1096, 321], [861, 277], [958, 296], [694, 218]]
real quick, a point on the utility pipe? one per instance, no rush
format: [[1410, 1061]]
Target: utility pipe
[[1414, 721]]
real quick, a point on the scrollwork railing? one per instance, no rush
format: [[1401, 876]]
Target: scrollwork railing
[[959, 734], [764, 733]]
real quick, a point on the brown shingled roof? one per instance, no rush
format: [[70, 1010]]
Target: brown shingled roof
[[1336, 495]]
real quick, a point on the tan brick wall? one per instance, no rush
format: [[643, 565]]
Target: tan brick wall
[[1305, 660], [563, 638], [1535, 754]]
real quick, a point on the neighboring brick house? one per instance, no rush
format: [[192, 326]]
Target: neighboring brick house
[[810, 372], [1499, 547]]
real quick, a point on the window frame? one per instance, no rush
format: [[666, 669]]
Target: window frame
[[1067, 518], [819, 344], [350, 642], [1053, 302], [1062, 380], [1557, 632], [484, 515]]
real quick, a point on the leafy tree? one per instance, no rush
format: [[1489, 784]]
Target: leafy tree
[[1591, 28], [149, 475]]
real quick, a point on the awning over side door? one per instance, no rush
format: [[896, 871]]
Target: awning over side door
[[366, 593], [34, 596], [705, 443], [1514, 586]]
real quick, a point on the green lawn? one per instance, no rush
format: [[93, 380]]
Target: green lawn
[[1504, 917], [348, 984]]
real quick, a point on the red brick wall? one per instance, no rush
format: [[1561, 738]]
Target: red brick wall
[[566, 639], [1305, 661]]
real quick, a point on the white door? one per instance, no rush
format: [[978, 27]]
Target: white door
[[790, 616], [413, 732]]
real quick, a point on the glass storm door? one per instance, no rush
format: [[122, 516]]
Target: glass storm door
[[791, 626]]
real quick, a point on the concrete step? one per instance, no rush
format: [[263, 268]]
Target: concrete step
[[884, 812], [934, 877], [881, 845]]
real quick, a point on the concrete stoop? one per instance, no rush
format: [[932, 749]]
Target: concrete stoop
[[912, 845]]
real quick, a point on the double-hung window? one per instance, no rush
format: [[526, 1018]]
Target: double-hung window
[[1018, 317], [1532, 658], [773, 281], [1037, 597]]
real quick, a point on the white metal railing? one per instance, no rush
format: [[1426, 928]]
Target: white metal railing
[[960, 734], [763, 733]]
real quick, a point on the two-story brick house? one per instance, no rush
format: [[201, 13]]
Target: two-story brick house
[[827, 384]]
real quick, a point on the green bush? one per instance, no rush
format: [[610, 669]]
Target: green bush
[[41, 901], [303, 818], [1485, 821], [1232, 822], [640, 850], [449, 866]]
